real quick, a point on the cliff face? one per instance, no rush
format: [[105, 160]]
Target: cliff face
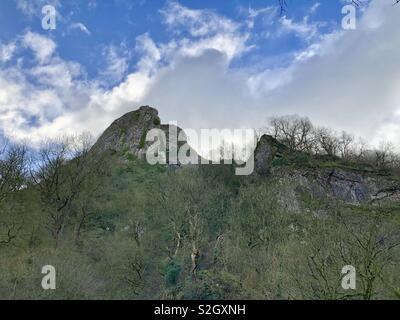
[[128, 134], [297, 186], [349, 185]]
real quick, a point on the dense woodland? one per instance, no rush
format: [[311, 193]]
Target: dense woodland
[[115, 227]]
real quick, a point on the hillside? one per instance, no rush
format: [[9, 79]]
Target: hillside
[[130, 230]]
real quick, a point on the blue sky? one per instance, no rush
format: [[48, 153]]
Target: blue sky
[[119, 22], [208, 63]]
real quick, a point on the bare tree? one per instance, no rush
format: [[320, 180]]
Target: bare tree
[[370, 246], [8, 232], [360, 150], [292, 130], [85, 204], [384, 156], [12, 179], [326, 141], [186, 221], [59, 171], [134, 274], [298, 133], [345, 145], [195, 231], [12, 169], [52, 183]]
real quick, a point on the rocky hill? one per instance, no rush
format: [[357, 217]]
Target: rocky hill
[[128, 133], [120, 228], [298, 172]]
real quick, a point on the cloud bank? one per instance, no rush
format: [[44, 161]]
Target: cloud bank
[[348, 80]]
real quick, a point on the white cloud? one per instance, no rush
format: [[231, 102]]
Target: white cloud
[[268, 15], [347, 80], [200, 92], [303, 29], [198, 23], [352, 79], [79, 26], [53, 97], [117, 63], [206, 30], [7, 51], [58, 73], [34, 7], [42, 46], [33, 99], [231, 46], [151, 54], [315, 7]]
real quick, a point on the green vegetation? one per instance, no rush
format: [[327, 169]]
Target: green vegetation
[[115, 227], [142, 142], [136, 115], [303, 160], [122, 132]]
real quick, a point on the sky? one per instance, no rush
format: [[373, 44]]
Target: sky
[[203, 64]]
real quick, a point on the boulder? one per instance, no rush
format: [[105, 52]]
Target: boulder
[[266, 150]]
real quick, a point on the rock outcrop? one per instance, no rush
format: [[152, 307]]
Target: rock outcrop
[[348, 185], [128, 133], [267, 149]]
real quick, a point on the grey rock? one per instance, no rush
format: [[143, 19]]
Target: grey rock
[[267, 149], [128, 134], [348, 186]]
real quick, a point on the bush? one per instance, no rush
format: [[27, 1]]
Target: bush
[[172, 272], [302, 160], [211, 285], [280, 162]]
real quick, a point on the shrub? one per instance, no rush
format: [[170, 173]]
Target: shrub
[[172, 272]]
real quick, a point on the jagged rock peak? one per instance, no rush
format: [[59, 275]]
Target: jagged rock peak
[[127, 135], [129, 131]]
